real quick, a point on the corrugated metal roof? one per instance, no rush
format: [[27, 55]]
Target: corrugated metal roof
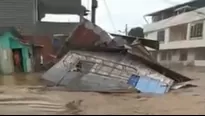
[[85, 35], [136, 40], [88, 34], [191, 3]]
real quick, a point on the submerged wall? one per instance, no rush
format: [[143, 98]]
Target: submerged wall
[[97, 80]]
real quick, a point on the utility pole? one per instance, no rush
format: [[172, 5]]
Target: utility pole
[[126, 30], [93, 14]]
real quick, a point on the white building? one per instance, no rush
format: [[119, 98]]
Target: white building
[[181, 32]]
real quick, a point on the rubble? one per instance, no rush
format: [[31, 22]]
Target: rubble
[[90, 63], [85, 35], [182, 85]]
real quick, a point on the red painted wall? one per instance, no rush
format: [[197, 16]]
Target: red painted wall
[[46, 41]]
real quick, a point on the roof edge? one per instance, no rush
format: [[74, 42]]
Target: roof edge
[[156, 12]]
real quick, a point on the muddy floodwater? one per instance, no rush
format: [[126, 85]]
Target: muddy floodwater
[[21, 79], [16, 97]]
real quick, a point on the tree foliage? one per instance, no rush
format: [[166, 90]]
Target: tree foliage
[[136, 32]]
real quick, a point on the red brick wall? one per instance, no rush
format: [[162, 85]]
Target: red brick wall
[[46, 41]]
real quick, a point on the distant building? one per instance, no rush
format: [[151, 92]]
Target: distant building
[[26, 15], [181, 32]]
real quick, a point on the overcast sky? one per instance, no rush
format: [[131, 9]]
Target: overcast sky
[[124, 12]]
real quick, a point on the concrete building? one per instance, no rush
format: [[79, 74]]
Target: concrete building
[[181, 32], [10, 46], [26, 15]]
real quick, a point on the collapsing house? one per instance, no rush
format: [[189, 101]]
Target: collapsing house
[[89, 62]]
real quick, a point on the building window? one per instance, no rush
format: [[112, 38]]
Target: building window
[[56, 42], [197, 30], [161, 36], [169, 56], [183, 55], [199, 54], [65, 18], [165, 55], [174, 52]]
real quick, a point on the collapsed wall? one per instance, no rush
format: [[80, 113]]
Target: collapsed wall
[[100, 71]]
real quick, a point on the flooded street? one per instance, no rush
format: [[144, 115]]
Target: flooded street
[[20, 79], [17, 97]]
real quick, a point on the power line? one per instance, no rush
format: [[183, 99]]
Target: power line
[[109, 15]]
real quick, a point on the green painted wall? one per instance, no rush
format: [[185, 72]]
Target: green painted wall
[[6, 61], [4, 41], [8, 42]]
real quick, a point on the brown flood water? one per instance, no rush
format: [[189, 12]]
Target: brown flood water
[[181, 102], [20, 79]]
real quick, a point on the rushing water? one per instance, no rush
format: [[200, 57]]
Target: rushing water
[[20, 79]]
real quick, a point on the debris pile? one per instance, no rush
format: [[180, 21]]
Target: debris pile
[[91, 60]]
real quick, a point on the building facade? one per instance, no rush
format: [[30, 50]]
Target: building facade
[[181, 32], [26, 15], [9, 47]]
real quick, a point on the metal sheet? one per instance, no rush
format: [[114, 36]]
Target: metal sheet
[[94, 82], [178, 78], [148, 85], [98, 81], [133, 80], [87, 34], [161, 88], [142, 85], [145, 42], [152, 86]]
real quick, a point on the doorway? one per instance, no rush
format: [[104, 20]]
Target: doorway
[[18, 60]]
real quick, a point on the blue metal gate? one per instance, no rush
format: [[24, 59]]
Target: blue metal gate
[[133, 80], [148, 85]]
